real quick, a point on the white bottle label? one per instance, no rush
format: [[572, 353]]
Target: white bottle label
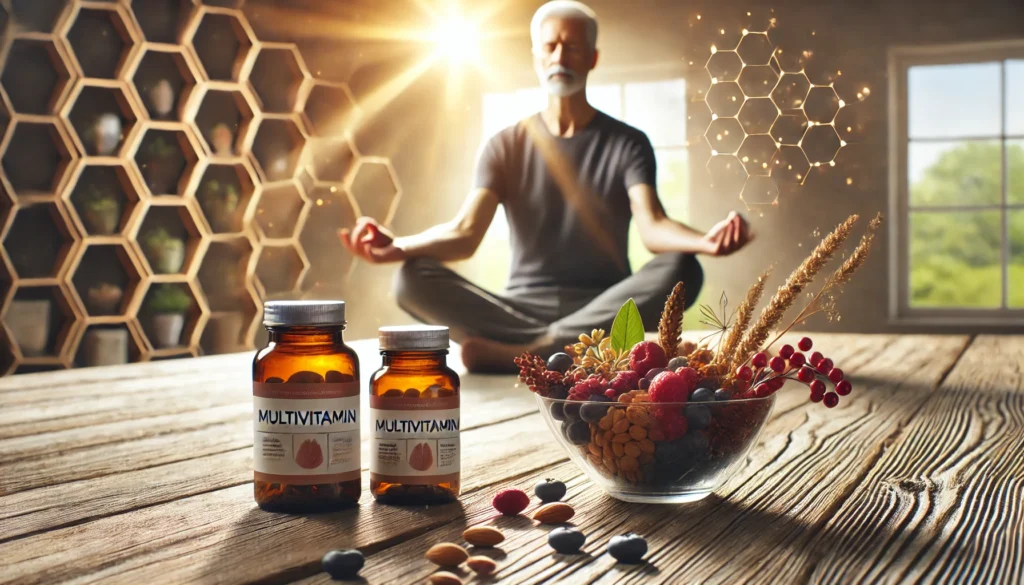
[[412, 445], [306, 434]]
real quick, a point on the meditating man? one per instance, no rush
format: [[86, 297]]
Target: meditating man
[[570, 178]]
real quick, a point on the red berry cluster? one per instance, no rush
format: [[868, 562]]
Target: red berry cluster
[[533, 371], [766, 375]]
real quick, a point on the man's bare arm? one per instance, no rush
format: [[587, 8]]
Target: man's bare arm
[[660, 233]]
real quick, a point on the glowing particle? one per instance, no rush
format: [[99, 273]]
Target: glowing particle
[[842, 143], [849, 129], [817, 164], [831, 163], [748, 14], [334, 189], [698, 17], [721, 31], [849, 180], [714, 153], [714, 49], [745, 32], [860, 96], [842, 103], [719, 137], [714, 116], [866, 91], [319, 202]]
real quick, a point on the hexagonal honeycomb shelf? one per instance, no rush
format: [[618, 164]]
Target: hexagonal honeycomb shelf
[[164, 172]]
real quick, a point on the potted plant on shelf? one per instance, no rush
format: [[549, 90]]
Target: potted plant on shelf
[[29, 323], [160, 165], [101, 210], [161, 95], [103, 134], [166, 307], [165, 252], [222, 139], [105, 347], [219, 202], [103, 298]]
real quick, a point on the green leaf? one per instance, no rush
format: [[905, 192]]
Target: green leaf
[[628, 328]]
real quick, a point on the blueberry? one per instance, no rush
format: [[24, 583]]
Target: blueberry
[[645, 384], [558, 392], [560, 362], [698, 417], [593, 413], [549, 490], [722, 394], [572, 409], [629, 548], [343, 564], [702, 395], [653, 373], [578, 432], [678, 362], [557, 412], [695, 443], [566, 540]]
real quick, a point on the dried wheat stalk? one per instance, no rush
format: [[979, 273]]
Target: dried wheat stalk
[[788, 292], [743, 317], [670, 328]]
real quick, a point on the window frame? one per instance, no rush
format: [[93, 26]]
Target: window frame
[[900, 60]]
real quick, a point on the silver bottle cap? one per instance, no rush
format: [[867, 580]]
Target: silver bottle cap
[[413, 338], [295, 313]]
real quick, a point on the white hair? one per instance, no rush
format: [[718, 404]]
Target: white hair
[[569, 9]]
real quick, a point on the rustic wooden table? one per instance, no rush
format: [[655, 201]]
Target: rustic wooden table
[[141, 474]]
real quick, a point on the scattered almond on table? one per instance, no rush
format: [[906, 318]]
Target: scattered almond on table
[[554, 513], [483, 536], [482, 565], [447, 554]]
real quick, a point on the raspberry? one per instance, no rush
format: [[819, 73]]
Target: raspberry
[[612, 393], [672, 423], [626, 381], [510, 502], [587, 388], [805, 344], [646, 355], [690, 377], [669, 387]]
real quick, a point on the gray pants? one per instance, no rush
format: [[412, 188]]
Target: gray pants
[[435, 294]]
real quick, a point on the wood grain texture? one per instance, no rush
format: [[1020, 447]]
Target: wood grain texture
[[915, 477], [787, 481], [945, 503], [220, 536]]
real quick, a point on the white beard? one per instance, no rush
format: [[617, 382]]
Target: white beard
[[561, 86]]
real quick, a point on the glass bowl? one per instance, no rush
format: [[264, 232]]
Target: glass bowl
[[657, 453]]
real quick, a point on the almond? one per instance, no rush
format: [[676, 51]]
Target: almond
[[483, 536], [554, 513], [444, 578], [447, 554], [482, 565], [637, 432], [621, 427]]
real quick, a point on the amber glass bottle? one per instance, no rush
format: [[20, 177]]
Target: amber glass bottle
[[414, 412], [306, 410]]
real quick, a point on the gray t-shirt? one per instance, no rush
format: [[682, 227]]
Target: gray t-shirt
[[577, 239]]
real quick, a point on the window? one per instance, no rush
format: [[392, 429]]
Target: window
[[958, 184], [657, 107]]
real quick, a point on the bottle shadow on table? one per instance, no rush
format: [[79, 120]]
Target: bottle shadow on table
[[257, 537]]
